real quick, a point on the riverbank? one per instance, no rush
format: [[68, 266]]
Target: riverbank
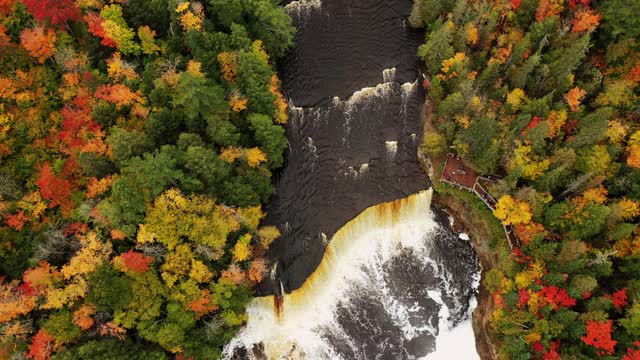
[[469, 216]]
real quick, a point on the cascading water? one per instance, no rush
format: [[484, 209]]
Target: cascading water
[[365, 268], [385, 289]]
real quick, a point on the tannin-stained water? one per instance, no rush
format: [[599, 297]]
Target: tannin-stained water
[[390, 281], [367, 269], [354, 104]]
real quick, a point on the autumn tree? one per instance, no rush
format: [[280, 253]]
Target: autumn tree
[[133, 261], [41, 346], [40, 43], [54, 12], [585, 20], [511, 211], [599, 336], [55, 189]]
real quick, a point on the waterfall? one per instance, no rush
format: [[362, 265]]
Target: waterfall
[[302, 8], [363, 278]]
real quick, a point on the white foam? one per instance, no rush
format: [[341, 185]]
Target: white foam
[[389, 75], [464, 236], [455, 342], [392, 148], [302, 7], [372, 241]]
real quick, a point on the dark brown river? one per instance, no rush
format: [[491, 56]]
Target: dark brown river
[[365, 268]]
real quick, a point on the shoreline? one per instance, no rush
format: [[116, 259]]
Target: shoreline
[[473, 223]]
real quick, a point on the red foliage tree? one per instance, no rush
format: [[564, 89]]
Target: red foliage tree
[[6, 6], [78, 127], [56, 12], [552, 354], [574, 3], [599, 336], [557, 297], [634, 73], [523, 298], [534, 122], [633, 354], [136, 262], [55, 189], [27, 289], [619, 298], [95, 27], [41, 346]]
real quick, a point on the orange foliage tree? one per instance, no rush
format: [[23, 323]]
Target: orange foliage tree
[[586, 20], [40, 43], [42, 346], [573, 98]]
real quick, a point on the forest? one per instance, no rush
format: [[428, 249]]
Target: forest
[[137, 144], [544, 93]]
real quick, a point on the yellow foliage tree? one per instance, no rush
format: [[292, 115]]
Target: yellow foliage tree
[[191, 19], [616, 132], [251, 216], [200, 272], [472, 34], [556, 120], [597, 195], [596, 160], [267, 235], [255, 157], [242, 248], [32, 204], [238, 103], [93, 253], [515, 97], [118, 68], [57, 298], [177, 264], [258, 48], [512, 212], [174, 217], [228, 66], [530, 166], [625, 209], [230, 154], [447, 64], [147, 40], [194, 68]]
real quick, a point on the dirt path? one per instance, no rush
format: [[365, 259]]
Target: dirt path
[[478, 230]]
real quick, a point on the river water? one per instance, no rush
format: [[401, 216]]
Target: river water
[[364, 269]]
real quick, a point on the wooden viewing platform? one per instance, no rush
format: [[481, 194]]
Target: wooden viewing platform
[[458, 172]]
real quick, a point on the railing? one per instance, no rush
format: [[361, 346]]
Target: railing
[[487, 199]]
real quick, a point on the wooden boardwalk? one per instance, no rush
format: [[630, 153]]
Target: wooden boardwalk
[[458, 173]]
